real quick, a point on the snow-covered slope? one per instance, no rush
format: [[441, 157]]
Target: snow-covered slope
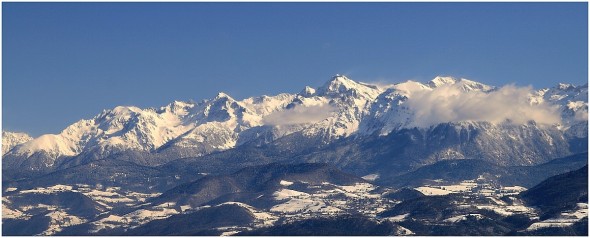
[[338, 109], [572, 102], [12, 139], [349, 102]]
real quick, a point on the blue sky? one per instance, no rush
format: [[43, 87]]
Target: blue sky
[[62, 62]]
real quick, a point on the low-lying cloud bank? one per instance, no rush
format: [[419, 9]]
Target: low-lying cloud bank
[[299, 115], [450, 104]]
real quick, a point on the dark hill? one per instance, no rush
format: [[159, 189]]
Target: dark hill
[[559, 193], [202, 222], [334, 226], [254, 180]]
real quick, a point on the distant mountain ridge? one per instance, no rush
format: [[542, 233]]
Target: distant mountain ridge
[[339, 109]]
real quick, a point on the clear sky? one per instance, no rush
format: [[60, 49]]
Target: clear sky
[[62, 62]]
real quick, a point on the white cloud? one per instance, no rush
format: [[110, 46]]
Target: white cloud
[[581, 115], [449, 104], [580, 109], [299, 115]]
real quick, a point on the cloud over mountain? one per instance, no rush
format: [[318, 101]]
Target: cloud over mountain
[[449, 103]]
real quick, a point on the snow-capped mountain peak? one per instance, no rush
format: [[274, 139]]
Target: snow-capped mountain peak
[[178, 107], [12, 139], [342, 85], [464, 84], [338, 83], [221, 95], [126, 110], [442, 80], [54, 145], [307, 91], [468, 86], [565, 86]]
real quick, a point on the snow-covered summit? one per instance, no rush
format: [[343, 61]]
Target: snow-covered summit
[[12, 139], [178, 108], [565, 92], [307, 91], [341, 85], [465, 84], [221, 95], [442, 80]]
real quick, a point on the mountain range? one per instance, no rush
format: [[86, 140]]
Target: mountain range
[[291, 160], [341, 109]]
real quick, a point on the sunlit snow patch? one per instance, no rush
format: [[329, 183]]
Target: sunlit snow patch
[[371, 177], [285, 183], [565, 219], [428, 191]]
